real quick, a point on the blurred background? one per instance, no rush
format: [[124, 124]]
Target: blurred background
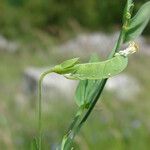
[[37, 34]]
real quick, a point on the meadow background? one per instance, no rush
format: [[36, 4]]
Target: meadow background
[[30, 33]]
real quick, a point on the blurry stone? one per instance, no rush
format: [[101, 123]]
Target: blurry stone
[[54, 86], [101, 43], [8, 46], [123, 86], [89, 43]]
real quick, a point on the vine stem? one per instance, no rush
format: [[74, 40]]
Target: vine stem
[[40, 107], [103, 82], [74, 127]]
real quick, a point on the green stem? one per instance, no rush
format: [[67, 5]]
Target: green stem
[[40, 107], [72, 128], [75, 128], [76, 118], [103, 82]]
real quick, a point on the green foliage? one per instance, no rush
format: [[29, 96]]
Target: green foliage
[[138, 23]]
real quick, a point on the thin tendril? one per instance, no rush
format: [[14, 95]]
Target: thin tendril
[[40, 107]]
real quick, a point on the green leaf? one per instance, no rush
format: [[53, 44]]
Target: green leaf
[[34, 145], [69, 63], [138, 23], [85, 87], [66, 143]]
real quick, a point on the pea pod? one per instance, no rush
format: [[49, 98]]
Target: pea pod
[[100, 70], [97, 70]]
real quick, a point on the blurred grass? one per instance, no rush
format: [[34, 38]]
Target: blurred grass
[[114, 124]]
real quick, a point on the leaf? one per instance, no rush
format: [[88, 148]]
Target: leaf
[[69, 63], [85, 87], [138, 23], [34, 145], [66, 143]]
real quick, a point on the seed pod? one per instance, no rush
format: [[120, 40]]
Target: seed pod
[[100, 70], [96, 70]]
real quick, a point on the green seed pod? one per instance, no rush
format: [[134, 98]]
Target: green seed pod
[[105, 69], [100, 70], [96, 70]]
